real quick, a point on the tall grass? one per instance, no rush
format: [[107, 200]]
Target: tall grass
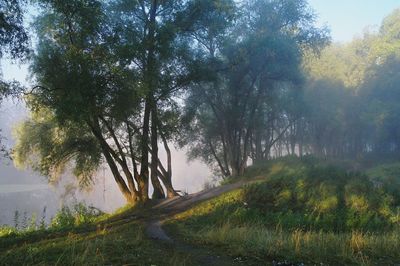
[[66, 218], [105, 241], [304, 211], [313, 197], [304, 246]]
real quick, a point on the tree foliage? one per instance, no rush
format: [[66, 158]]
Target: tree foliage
[[352, 94], [237, 82], [13, 37], [254, 65], [113, 71]]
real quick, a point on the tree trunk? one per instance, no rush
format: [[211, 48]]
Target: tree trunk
[[258, 147], [158, 192], [130, 196], [144, 162], [149, 76], [166, 176]]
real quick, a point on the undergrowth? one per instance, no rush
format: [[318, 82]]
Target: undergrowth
[[78, 214]]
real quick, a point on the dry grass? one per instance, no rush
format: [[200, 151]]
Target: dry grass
[[301, 246]]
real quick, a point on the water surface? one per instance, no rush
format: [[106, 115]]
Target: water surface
[[12, 188]]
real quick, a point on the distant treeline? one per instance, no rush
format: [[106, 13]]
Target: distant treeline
[[345, 102], [350, 103]]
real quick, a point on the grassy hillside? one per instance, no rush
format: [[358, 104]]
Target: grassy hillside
[[291, 211], [78, 238], [303, 211]]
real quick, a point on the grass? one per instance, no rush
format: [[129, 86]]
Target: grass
[[294, 211], [78, 236], [108, 240], [117, 245], [303, 211], [301, 246], [297, 246]]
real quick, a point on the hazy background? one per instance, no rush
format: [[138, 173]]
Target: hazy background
[[27, 192]]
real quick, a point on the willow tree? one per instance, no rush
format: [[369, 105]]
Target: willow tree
[[258, 54], [108, 72], [78, 85], [13, 36]]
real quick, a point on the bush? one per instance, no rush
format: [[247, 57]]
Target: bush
[[7, 231], [76, 215]]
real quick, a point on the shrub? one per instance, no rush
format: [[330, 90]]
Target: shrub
[[78, 214], [7, 231]]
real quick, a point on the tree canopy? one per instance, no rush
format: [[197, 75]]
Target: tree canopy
[[254, 68], [112, 70], [236, 82]]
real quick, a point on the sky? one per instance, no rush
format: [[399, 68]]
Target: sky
[[349, 18]]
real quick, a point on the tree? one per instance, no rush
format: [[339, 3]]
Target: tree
[[110, 70], [351, 95], [381, 92], [259, 54], [13, 37]]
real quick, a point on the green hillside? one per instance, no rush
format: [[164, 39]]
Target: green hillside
[[284, 212], [79, 238], [303, 211]]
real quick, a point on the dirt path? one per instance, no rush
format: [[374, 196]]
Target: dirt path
[[170, 207], [180, 204], [167, 208]]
